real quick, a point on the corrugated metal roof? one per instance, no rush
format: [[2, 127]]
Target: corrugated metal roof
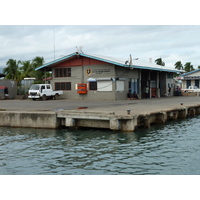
[[54, 62], [190, 72], [135, 63]]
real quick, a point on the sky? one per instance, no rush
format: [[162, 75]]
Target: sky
[[144, 29], [170, 42]]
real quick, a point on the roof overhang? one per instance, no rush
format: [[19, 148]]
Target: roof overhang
[[190, 72], [49, 65], [155, 69]]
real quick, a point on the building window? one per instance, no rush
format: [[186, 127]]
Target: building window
[[169, 75], [188, 83], [197, 83], [63, 86], [63, 72], [68, 86], [103, 86], [93, 85], [57, 86], [68, 72]]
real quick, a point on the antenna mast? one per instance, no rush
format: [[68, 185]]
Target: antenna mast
[[54, 44]]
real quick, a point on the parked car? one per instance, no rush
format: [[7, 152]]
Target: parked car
[[191, 88]]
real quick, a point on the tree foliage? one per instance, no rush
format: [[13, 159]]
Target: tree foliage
[[12, 70], [178, 65], [188, 67], [26, 69], [159, 61], [18, 70]]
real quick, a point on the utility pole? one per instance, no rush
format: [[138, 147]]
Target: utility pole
[[54, 43]]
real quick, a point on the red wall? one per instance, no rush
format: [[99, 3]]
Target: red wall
[[80, 62]]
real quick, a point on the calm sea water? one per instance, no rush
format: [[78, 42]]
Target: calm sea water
[[170, 149]]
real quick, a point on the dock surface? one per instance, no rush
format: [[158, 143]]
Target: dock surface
[[112, 114], [143, 106]]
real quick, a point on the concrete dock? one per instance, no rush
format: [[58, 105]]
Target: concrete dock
[[122, 115]]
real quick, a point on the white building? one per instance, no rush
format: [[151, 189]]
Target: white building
[[190, 79]]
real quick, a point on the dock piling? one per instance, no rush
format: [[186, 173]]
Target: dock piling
[[147, 123]]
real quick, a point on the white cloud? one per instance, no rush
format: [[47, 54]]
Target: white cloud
[[172, 43]]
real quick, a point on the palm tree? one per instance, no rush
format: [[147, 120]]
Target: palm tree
[[159, 61], [178, 65], [26, 69], [37, 62], [12, 70], [188, 67]]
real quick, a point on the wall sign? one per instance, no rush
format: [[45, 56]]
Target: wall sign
[[191, 77], [88, 72]]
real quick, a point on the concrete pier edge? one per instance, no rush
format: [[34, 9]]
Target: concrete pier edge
[[93, 119]]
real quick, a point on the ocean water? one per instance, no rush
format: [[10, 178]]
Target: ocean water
[[170, 149]]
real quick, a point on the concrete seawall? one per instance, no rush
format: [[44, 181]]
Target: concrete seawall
[[29, 119], [128, 122], [114, 115], [93, 119]]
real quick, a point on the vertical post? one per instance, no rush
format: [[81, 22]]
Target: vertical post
[[45, 74], [147, 122], [149, 83], [192, 112], [114, 124], [140, 89], [183, 113], [157, 84], [175, 115], [161, 118], [54, 43]]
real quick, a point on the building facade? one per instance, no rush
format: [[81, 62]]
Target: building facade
[[91, 77], [190, 79]]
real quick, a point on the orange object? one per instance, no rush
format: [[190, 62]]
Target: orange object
[[82, 88]]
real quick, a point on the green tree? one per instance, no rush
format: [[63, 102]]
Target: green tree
[[12, 70], [18, 70], [188, 67], [37, 62], [178, 65], [159, 61], [26, 69]]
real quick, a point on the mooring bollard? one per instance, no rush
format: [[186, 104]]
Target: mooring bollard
[[128, 111]]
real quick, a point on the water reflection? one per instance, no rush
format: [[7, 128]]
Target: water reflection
[[169, 149]]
